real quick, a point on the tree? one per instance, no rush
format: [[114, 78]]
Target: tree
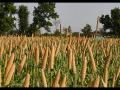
[[87, 30], [65, 30], [7, 11], [23, 19], [106, 21], [75, 33], [57, 32], [112, 21], [43, 14], [32, 29], [69, 30]]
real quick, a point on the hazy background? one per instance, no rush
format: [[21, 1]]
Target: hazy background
[[77, 15]]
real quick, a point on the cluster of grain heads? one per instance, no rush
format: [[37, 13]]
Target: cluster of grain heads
[[106, 68], [115, 77], [10, 75], [21, 65], [103, 49], [52, 57], [56, 80], [57, 49], [9, 64], [64, 81], [1, 51], [118, 73], [5, 62], [104, 83], [44, 60], [25, 45], [70, 40], [0, 76], [109, 44], [106, 75], [96, 82], [44, 80], [37, 55], [74, 64], [27, 81], [10, 47], [84, 48], [92, 58], [41, 51], [84, 69], [113, 80], [70, 59]]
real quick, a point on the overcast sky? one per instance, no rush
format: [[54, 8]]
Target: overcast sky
[[77, 15]]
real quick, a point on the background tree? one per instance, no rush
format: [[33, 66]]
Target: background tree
[[65, 30], [102, 31], [7, 18], [23, 19], [43, 14], [69, 30], [75, 33], [87, 30], [32, 29], [57, 32], [112, 21]]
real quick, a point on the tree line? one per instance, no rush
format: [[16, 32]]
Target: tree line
[[43, 15], [110, 22]]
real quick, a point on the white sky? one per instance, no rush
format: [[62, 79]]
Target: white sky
[[77, 15]]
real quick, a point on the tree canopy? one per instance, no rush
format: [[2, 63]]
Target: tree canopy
[[7, 11], [86, 30], [112, 21], [42, 16], [23, 19]]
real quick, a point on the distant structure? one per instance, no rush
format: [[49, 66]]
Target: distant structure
[[97, 25]]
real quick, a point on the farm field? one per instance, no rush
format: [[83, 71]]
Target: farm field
[[50, 61]]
